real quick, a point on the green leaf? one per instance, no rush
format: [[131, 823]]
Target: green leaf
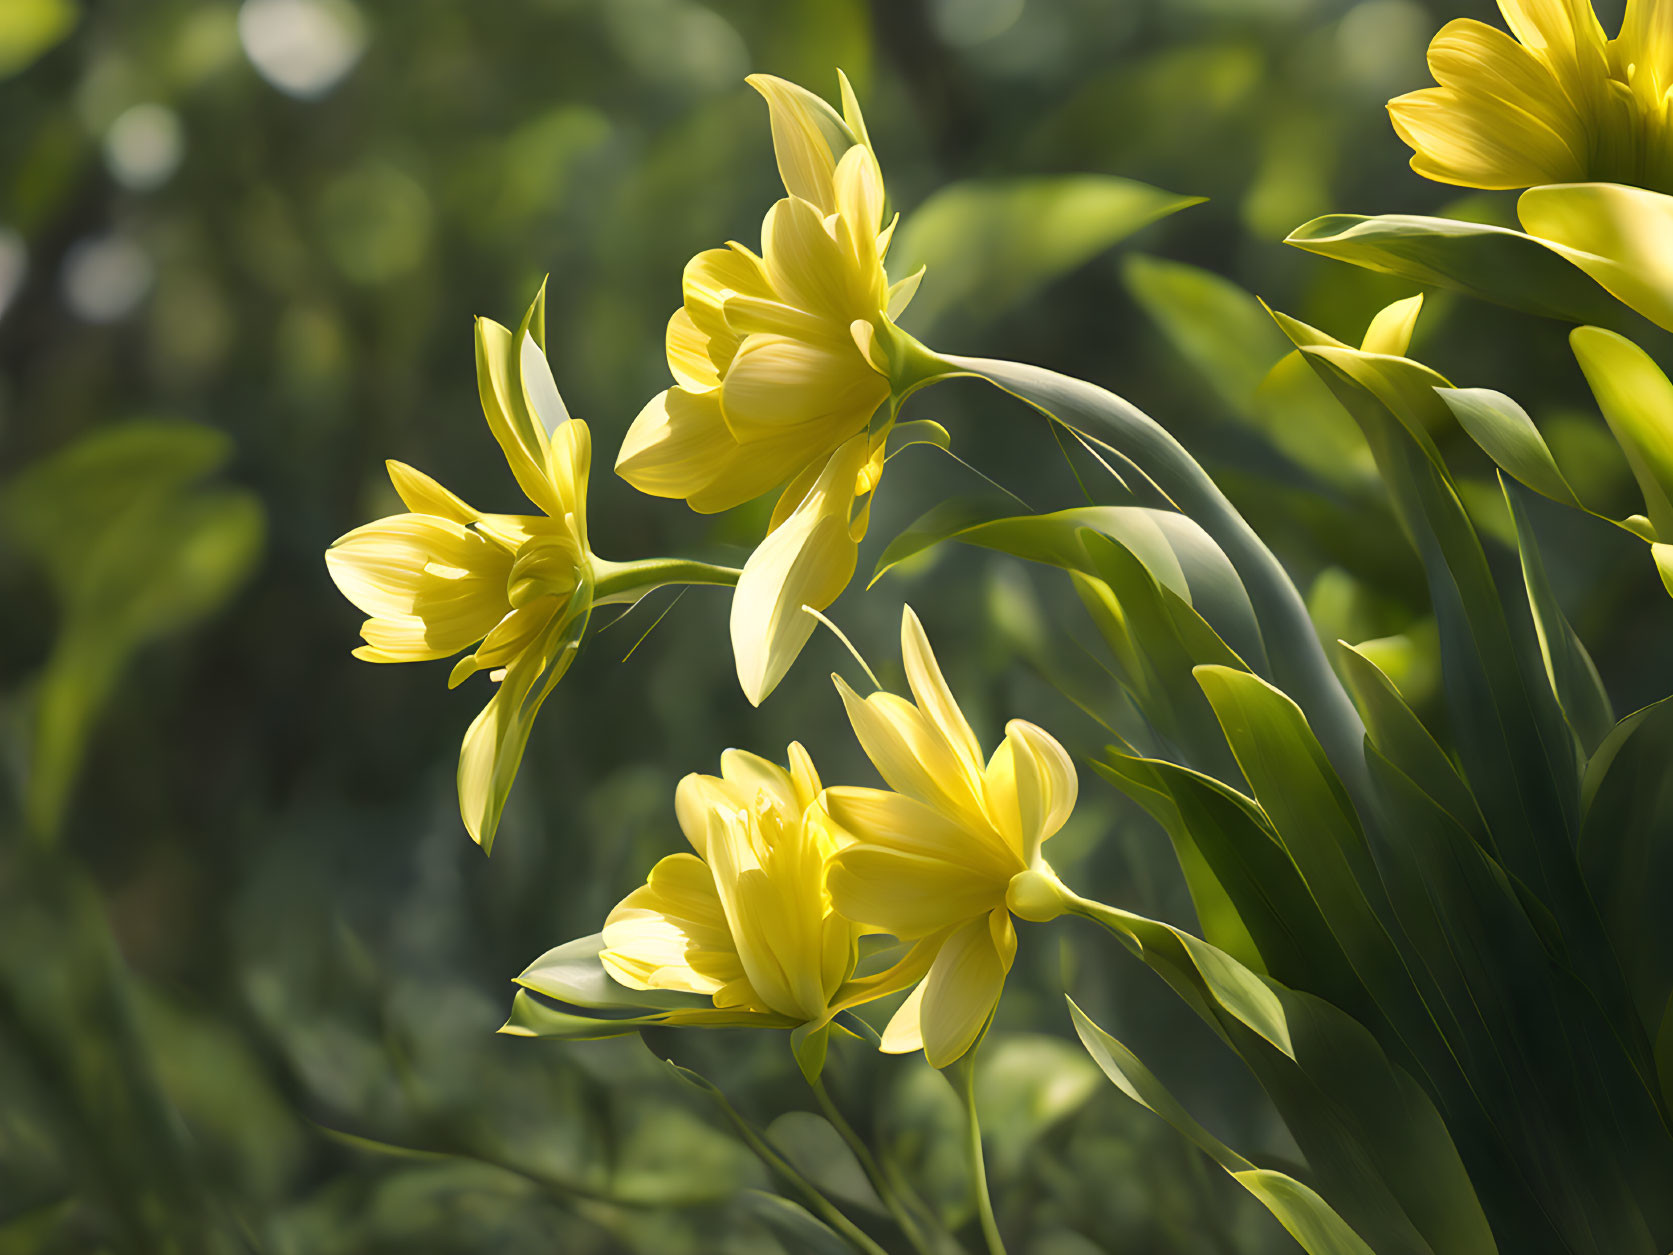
[[1250, 899], [1227, 338], [1175, 551], [1400, 735], [816, 1150], [572, 973], [1624, 852], [1637, 402], [532, 1018], [1515, 746], [1314, 820], [1507, 435], [1156, 639], [1307, 1217], [1574, 679], [1616, 234], [796, 1227], [135, 552], [1383, 1156], [493, 746], [1297, 660], [1489, 263], [1587, 1187], [989, 245], [808, 1045], [1223, 333]]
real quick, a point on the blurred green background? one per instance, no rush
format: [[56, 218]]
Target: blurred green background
[[250, 964]]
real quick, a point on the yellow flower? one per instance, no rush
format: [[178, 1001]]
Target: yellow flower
[[746, 919], [773, 360], [1559, 103], [951, 851], [445, 576]]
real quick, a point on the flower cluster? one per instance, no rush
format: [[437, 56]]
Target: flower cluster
[[766, 915], [445, 576], [777, 378]]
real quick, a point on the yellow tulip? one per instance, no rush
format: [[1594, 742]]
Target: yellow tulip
[[777, 375], [520, 587], [746, 919], [1558, 103], [951, 850]]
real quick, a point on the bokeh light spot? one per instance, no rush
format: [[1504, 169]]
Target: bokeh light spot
[[105, 277], [678, 42], [302, 47], [144, 146], [1380, 43], [966, 22]]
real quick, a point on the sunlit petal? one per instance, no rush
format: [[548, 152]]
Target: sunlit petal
[[808, 560], [800, 121], [671, 933], [964, 985]]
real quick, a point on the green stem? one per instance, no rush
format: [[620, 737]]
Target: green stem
[[826, 1210], [874, 1171], [1110, 918], [628, 581], [963, 1076], [1297, 659]]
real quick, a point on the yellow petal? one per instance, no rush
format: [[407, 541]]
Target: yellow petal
[[1621, 236], [1475, 140], [934, 698], [571, 461], [1637, 403], [1514, 117], [1564, 34], [1031, 787], [1647, 45], [901, 294], [851, 111], [771, 888], [711, 278], [694, 798], [804, 779], [806, 265], [800, 121], [680, 446], [750, 775], [808, 560], [903, 1034], [688, 354], [754, 315], [912, 754], [423, 495], [910, 870], [520, 437], [1390, 332], [671, 933], [677, 445], [431, 586], [964, 985], [859, 193], [540, 391]]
